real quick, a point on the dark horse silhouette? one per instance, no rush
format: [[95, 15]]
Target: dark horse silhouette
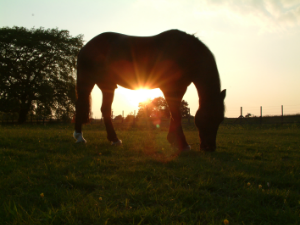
[[171, 61]]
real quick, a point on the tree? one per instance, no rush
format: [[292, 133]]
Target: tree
[[158, 107], [37, 71], [118, 117], [161, 107], [248, 115], [185, 111], [130, 117], [145, 108]]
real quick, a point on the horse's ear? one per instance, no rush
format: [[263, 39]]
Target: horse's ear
[[223, 94]]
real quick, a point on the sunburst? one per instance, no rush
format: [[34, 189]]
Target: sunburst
[[134, 97]]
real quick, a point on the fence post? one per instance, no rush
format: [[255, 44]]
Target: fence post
[[122, 116], [282, 113], [241, 115], [261, 115]]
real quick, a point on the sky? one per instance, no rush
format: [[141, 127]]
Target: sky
[[256, 43]]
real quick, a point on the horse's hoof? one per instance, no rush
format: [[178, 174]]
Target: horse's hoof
[[187, 148], [208, 149], [79, 138], [116, 143], [81, 141], [184, 149]]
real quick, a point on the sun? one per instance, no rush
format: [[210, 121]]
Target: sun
[[134, 97]]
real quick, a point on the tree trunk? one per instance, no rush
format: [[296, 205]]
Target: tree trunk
[[23, 113]]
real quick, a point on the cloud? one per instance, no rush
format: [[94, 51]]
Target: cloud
[[267, 15], [290, 17], [218, 16]]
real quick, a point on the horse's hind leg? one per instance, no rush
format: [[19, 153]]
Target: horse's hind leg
[[176, 136], [108, 97]]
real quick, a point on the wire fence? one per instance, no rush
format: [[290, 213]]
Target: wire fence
[[263, 111], [248, 114], [45, 120]]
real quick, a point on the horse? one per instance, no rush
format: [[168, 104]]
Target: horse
[[170, 61]]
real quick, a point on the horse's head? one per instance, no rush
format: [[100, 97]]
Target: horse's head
[[208, 119]]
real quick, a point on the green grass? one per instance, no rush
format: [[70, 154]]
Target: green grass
[[144, 181]]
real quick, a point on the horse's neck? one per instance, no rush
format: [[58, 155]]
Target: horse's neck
[[208, 99], [208, 87]]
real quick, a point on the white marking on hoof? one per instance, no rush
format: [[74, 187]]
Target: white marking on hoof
[[79, 137], [117, 143], [187, 148]]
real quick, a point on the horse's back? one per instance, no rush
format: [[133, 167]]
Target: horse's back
[[152, 61], [171, 43]]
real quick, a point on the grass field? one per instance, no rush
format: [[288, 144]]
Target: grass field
[[252, 178]]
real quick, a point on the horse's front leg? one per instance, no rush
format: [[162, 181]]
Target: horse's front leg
[[84, 89], [176, 136], [108, 97], [79, 117]]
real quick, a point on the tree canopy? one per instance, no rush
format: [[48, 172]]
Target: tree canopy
[[158, 107], [37, 71]]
